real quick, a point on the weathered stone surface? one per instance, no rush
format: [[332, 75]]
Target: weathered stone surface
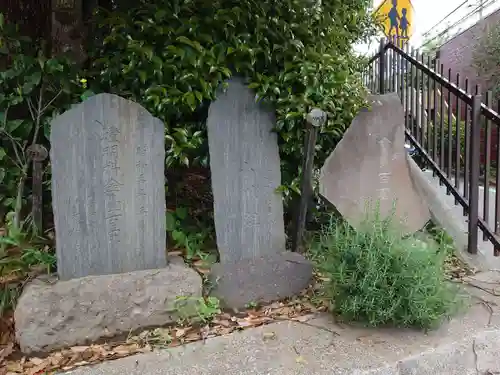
[[108, 190], [474, 355], [50, 316], [245, 167], [294, 348], [262, 279], [369, 168]]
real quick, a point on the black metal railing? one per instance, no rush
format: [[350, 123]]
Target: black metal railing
[[453, 127]]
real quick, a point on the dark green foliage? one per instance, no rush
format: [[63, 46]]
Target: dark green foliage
[[171, 56]]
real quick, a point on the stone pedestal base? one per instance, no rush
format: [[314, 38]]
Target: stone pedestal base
[[50, 316], [260, 280]]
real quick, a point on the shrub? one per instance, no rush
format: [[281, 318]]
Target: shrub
[[379, 278], [172, 56]]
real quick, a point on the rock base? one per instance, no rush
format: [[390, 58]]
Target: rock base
[[260, 280], [50, 316]]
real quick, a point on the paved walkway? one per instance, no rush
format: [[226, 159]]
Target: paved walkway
[[468, 345]]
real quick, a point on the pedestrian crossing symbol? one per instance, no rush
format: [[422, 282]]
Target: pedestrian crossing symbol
[[396, 18]]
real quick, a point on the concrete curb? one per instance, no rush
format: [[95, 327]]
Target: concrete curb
[[478, 354], [320, 353]]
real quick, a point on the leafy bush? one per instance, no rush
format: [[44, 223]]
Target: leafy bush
[[172, 56], [446, 135], [379, 278], [33, 89]]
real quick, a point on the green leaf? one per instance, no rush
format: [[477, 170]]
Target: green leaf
[[87, 94], [13, 125], [179, 237], [170, 221], [2, 171], [35, 78], [194, 44], [190, 100], [181, 212]]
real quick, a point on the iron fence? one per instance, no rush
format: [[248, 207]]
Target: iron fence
[[452, 126]]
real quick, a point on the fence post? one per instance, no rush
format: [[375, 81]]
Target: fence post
[[315, 119], [475, 150], [381, 67], [37, 154]]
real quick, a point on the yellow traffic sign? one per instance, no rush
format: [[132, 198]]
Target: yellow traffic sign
[[396, 17]]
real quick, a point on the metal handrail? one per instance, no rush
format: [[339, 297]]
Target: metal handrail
[[489, 113], [446, 164]]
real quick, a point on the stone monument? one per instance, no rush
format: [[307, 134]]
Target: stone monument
[[108, 195], [369, 170], [245, 167]]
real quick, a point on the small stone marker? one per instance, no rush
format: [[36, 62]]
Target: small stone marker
[[245, 168], [108, 188], [369, 167], [37, 154]]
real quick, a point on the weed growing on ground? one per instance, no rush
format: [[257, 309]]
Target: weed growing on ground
[[377, 277], [19, 256], [197, 310]]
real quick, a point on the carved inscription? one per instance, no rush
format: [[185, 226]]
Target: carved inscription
[[370, 164], [141, 165], [114, 207], [109, 204], [384, 175]]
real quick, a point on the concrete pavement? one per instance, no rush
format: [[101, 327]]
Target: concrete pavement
[[467, 345]]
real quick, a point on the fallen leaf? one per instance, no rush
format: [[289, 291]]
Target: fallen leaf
[[79, 349], [180, 332], [37, 370], [303, 318], [5, 352], [300, 359], [126, 349], [175, 253], [36, 361], [244, 323], [14, 367], [223, 322]]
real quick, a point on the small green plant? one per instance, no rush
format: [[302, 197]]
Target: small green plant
[[17, 258], [444, 240], [197, 310], [377, 277], [251, 305], [185, 236]]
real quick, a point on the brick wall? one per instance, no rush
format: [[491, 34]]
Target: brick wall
[[457, 55]]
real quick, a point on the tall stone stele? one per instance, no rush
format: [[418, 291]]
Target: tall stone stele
[[245, 168], [108, 188]]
